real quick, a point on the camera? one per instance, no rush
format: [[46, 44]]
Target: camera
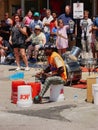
[[71, 26], [84, 23]]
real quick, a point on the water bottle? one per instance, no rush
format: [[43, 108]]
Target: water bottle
[[75, 97]]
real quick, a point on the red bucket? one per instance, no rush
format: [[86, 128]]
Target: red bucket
[[14, 94], [36, 88]]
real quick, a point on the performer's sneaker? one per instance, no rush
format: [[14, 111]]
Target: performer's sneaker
[[37, 99]]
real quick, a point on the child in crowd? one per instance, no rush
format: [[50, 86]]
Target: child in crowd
[[62, 38]]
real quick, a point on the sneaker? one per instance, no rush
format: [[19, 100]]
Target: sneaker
[[27, 68], [37, 99], [18, 68], [2, 59]]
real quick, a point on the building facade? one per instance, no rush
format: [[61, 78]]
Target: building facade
[[37, 5]]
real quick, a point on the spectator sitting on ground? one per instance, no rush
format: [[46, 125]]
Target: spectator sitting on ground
[[55, 73], [38, 40], [4, 30], [5, 50]]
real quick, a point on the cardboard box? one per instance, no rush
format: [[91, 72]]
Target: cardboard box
[[90, 81]]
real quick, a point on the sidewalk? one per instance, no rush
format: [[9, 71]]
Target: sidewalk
[[70, 114]]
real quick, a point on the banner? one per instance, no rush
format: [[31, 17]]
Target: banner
[[78, 10]]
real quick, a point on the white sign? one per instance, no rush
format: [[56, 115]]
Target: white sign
[[78, 10]]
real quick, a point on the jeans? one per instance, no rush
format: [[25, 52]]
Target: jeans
[[47, 36], [51, 80]]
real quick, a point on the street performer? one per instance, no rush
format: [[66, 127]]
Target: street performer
[[55, 73]]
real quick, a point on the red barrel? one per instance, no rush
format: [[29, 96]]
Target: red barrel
[[36, 88], [14, 94]]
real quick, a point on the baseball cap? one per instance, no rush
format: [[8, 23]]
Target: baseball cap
[[36, 14], [37, 27]]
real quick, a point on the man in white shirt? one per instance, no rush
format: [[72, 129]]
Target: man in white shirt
[[46, 23]]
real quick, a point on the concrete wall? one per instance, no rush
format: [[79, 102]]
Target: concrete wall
[[2, 10], [13, 3], [6, 6]]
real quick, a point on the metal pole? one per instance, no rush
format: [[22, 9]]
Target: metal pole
[[23, 7], [70, 2], [47, 4], [94, 7], [78, 37], [39, 5]]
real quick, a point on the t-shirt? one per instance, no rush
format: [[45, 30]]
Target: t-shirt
[[6, 33], [38, 39], [33, 23], [87, 28], [55, 61], [17, 37], [47, 20], [6, 44], [66, 19]]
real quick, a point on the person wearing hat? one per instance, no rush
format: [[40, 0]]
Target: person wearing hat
[[55, 73], [38, 40], [36, 21]]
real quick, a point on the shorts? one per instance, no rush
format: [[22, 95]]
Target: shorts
[[19, 46]]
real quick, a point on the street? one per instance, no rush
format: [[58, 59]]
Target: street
[[70, 114]]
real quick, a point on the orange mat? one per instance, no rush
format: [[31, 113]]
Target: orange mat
[[81, 84], [85, 69]]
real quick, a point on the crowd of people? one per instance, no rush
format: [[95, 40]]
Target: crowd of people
[[19, 36]]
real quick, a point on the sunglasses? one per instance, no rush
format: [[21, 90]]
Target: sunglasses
[[37, 29]]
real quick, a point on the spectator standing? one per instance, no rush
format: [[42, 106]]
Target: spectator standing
[[67, 17], [53, 26], [95, 33], [8, 20], [17, 39], [62, 37], [28, 18], [19, 12], [46, 23], [36, 21], [86, 26], [38, 40]]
